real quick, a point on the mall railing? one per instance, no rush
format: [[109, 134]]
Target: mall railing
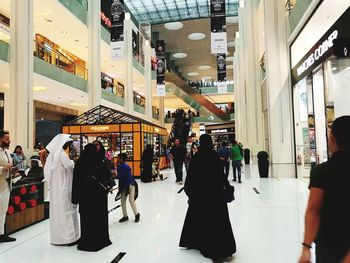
[[58, 59], [114, 89]]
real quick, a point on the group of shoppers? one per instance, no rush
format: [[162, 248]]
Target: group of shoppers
[[235, 154]]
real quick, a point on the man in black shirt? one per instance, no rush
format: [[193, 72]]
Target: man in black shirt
[[327, 218], [177, 154]]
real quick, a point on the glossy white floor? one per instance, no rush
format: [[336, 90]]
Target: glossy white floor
[[268, 227]]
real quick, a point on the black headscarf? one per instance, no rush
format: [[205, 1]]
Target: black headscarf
[[206, 143], [102, 152]]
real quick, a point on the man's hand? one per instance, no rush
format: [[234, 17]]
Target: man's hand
[[7, 167], [305, 256]]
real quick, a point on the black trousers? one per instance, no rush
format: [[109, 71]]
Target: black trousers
[[226, 168], [178, 165]]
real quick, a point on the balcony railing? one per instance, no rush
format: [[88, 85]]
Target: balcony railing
[[54, 57]]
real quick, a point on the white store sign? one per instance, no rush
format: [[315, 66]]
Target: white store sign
[[161, 91]]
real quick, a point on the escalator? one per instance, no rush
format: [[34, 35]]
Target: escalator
[[200, 98], [182, 126]]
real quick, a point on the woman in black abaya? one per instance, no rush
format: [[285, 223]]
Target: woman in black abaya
[[89, 171], [147, 160], [207, 225]]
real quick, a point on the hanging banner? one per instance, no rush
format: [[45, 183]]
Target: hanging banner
[[221, 67], [117, 30], [218, 26], [160, 52], [135, 44], [145, 30], [141, 49], [222, 87]]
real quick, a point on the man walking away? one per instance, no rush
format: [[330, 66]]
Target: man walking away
[[236, 157], [224, 154], [177, 154]]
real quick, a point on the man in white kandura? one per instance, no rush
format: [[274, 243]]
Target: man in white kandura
[[58, 171]]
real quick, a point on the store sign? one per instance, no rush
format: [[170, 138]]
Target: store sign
[[218, 43], [318, 53], [324, 48], [117, 30], [99, 128], [342, 48]]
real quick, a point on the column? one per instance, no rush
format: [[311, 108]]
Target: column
[[250, 124], [94, 68], [148, 79], [129, 90], [21, 75], [279, 90]]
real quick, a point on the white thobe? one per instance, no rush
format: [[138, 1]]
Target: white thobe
[[5, 158], [64, 227]]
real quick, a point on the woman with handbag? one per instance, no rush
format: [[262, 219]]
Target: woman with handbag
[[207, 225], [90, 191]]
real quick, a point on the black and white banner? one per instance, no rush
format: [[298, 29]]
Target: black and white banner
[[160, 52], [135, 44], [221, 67], [218, 27], [117, 30]]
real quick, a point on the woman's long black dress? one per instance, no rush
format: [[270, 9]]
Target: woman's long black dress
[[147, 160], [207, 225], [93, 208]]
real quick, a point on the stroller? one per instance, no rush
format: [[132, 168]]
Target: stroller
[[156, 170]]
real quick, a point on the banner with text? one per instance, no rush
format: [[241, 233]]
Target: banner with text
[[218, 26], [117, 30], [160, 52], [221, 67]]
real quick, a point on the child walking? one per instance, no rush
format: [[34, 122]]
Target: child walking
[[126, 187]]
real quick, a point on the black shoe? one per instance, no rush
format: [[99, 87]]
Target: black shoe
[[5, 238], [124, 219], [239, 181], [234, 179], [137, 218], [161, 177]]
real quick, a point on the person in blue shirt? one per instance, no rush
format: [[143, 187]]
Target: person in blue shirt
[[224, 154], [127, 186]]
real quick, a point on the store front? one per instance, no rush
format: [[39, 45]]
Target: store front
[[321, 93], [221, 132], [119, 133]]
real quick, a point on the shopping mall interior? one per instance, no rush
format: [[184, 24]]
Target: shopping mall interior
[[265, 77]]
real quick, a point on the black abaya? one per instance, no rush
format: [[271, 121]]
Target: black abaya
[[92, 198], [147, 160], [207, 225]]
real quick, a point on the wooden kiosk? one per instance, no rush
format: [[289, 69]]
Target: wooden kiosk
[[119, 133]]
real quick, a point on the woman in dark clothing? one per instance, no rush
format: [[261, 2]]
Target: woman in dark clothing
[[207, 225], [89, 193], [147, 160]]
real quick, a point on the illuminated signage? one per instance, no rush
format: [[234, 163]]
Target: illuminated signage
[[99, 128], [318, 53]]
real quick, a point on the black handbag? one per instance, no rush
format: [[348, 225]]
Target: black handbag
[[229, 191]]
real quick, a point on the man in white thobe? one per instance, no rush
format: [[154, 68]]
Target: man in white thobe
[[5, 183], [58, 171]]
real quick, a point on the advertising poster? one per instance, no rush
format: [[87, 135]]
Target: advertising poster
[[218, 27], [161, 64], [117, 13]]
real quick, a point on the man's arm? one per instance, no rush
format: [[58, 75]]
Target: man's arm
[[312, 221]]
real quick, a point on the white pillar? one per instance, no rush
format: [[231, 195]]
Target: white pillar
[[94, 68], [148, 79], [279, 89], [129, 90], [21, 75], [250, 112]]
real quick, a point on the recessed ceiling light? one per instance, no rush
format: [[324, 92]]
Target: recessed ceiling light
[[232, 19], [6, 85], [205, 67], [174, 25], [208, 77], [196, 36], [229, 58], [229, 66], [180, 55], [231, 44], [193, 74], [39, 88], [334, 68]]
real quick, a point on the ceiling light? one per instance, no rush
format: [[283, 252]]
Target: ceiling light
[[174, 26], [205, 67], [334, 68], [229, 67], [231, 44], [232, 19], [193, 74], [196, 36], [180, 55], [229, 58], [78, 104], [39, 88], [237, 34], [6, 85]]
